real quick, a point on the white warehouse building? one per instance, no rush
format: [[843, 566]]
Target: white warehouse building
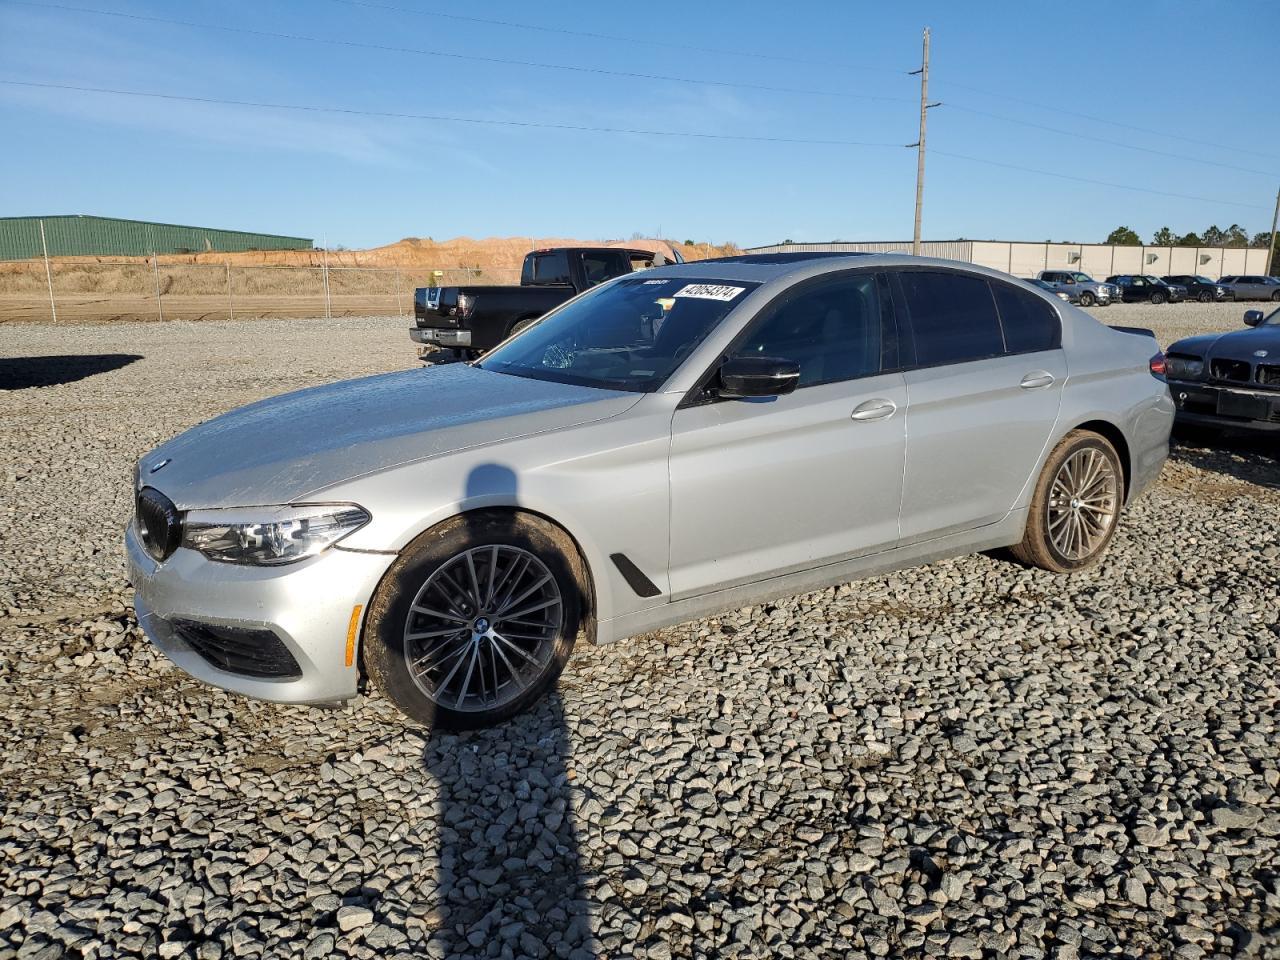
[[1099, 260]]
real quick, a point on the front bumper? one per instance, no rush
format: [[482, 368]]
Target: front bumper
[[440, 336], [307, 605], [1225, 408]]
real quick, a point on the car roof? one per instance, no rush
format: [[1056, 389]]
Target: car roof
[[766, 267]]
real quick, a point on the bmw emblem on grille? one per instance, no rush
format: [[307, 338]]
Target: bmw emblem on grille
[[159, 464], [1259, 353]]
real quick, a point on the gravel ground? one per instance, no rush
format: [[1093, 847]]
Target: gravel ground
[[965, 760]]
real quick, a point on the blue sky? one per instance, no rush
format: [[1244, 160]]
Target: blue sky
[[1192, 70]]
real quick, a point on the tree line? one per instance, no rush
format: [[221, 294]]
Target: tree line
[[1213, 236]]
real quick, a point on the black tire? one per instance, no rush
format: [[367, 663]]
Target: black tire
[[1205, 296], [1157, 296], [388, 620], [1276, 296], [521, 324], [1037, 547], [1087, 299]]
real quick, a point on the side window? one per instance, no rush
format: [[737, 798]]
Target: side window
[[545, 268], [1029, 323], [953, 317], [599, 267], [833, 331]]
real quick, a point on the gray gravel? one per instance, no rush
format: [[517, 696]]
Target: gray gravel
[[966, 760]]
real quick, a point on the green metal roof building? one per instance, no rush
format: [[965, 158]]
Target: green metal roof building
[[80, 235]]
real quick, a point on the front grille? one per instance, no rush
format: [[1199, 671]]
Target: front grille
[[1269, 374], [159, 523], [1236, 371], [248, 652]]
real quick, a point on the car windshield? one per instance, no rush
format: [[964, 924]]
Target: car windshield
[[1200, 279], [628, 335]]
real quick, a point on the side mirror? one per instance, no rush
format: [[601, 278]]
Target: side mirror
[[757, 377], [1252, 318]]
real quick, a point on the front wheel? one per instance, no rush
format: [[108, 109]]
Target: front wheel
[[1076, 505], [1157, 296], [1087, 299], [1276, 296], [475, 620], [1205, 296]]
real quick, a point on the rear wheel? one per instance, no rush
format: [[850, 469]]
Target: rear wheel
[[521, 325], [1157, 296], [1087, 299], [1076, 505], [1276, 296], [1205, 296], [475, 621]]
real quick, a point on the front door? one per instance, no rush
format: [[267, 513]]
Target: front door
[[761, 488]]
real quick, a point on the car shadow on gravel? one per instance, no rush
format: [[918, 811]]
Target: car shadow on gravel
[[510, 868], [22, 373], [1253, 460]]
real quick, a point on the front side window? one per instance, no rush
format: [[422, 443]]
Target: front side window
[[1029, 323], [832, 330], [629, 335], [953, 317], [599, 267], [1082, 278]]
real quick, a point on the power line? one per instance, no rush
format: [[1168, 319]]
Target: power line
[[1100, 183], [442, 118], [452, 55], [612, 37], [951, 105], [583, 128], [1059, 109]]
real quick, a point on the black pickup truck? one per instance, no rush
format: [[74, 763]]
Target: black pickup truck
[[464, 322]]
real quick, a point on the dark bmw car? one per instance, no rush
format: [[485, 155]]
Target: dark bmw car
[[1142, 287], [1199, 288], [1229, 381]]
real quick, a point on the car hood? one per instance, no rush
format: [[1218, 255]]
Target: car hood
[[281, 449], [1237, 345]]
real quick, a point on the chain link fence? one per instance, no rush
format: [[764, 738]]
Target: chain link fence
[[33, 291]]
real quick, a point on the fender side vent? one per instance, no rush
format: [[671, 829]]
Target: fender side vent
[[636, 580]]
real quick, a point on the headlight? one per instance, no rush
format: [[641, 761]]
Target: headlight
[[270, 536], [1183, 367], [1064, 296]]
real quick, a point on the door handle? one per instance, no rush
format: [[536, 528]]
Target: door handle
[[878, 409], [1037, 378]]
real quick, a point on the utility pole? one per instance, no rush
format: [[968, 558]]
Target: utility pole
[[48, 273], [1275, 217], [925, 106]]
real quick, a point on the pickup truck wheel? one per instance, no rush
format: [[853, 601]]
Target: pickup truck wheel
[[1076, 505], [475, 620], [521, 325], [1087, 299], [1157, 296]]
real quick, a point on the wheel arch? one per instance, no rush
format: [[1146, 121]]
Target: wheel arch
[[586, 575], [1117, 439]]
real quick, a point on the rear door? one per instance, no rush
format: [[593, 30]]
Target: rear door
[[762, 487], [984, 386]]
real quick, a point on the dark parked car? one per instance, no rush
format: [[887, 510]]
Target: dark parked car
[[474, 319], [1142, 287], [1252, 287], [1229, 381], [1199, 288]]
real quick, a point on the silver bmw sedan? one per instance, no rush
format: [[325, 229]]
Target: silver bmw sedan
[[671, 443]]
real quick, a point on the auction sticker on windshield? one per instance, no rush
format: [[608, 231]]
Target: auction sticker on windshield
[[709, 291]]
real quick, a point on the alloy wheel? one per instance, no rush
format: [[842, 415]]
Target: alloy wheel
[[1083, 503], [483, 628]]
